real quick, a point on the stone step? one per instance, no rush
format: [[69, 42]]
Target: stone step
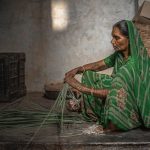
[[48, 139]]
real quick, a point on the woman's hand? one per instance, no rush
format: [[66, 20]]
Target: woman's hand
[[73, 72], [69, 78], [70, 74]]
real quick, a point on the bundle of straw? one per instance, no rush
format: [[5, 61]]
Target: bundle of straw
[[17, 118]]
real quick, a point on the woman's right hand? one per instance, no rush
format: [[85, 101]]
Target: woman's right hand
[[72, 72]]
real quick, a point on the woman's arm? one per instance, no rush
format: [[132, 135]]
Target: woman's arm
[[96, 66], [82, 88]]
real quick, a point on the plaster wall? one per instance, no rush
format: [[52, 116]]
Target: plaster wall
[[26, 26]]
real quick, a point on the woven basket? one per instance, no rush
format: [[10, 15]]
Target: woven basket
[[144, 30]]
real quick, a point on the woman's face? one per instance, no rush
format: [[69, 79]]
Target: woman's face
[[119, 41]]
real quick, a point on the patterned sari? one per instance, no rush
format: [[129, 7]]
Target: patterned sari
[[127, 105]]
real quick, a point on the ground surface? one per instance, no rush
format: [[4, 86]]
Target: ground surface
[[50, 137]]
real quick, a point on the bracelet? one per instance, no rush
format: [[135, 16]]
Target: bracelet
[[83, 69], [92, 91]]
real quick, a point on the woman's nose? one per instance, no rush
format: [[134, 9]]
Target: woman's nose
[[112, 41]]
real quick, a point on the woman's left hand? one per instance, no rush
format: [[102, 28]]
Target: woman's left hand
[[69, 74]]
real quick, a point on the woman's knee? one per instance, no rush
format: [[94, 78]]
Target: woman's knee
[[87, 75]]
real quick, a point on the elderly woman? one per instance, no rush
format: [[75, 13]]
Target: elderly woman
[[122, 100]]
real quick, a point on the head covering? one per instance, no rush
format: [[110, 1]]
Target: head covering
[[138, 51]]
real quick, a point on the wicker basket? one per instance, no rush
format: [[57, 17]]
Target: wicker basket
[[144, 30]]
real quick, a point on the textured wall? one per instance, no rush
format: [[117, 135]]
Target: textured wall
[[25, 26]]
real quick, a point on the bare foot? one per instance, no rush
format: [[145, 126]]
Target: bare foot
[[74, 105], [77, 93]]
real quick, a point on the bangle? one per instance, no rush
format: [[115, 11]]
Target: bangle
[[83, 69], [92, 91]]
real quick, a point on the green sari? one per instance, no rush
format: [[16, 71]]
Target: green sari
[[127, 105]]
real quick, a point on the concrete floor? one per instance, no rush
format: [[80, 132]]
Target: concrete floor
[[50, 137]]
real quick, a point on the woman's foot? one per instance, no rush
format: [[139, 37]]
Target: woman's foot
[[77, 93], [74, 105]]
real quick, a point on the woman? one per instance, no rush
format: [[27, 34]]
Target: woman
[[122, 100]]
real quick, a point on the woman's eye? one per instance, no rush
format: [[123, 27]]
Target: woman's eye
[[117, 38]]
